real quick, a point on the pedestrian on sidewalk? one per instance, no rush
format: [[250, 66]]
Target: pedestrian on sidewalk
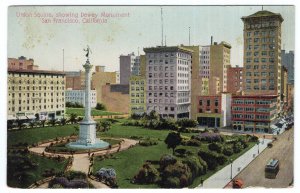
[[201, 181]]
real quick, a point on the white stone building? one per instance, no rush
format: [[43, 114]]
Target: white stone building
[[79, 97], [168, 78], [32, 92]]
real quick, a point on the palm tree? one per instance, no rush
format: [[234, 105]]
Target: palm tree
[[73, 118]]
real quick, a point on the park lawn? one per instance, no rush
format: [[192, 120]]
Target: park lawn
[[127, 163], [95, 112], [43, 164], [37, 134]]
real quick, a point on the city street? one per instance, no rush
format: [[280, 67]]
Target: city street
[[283, 148]]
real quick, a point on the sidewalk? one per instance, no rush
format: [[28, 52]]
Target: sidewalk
[[223, 176]]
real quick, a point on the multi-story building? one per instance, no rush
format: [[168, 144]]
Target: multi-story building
[[78, 96], [21, 63], [290, 97], [219, 62], [137, 84], [116, 97], [128, 63], [101, 78], [235, 79], [32, 92], [284, 84], [253, 113], [75, 80], [168, 76], [214, 111], [262, 54], [137, 95], [287, 60]]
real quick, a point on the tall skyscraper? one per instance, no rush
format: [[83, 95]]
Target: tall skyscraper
[[262, 54], [168, 75], [288, 62]]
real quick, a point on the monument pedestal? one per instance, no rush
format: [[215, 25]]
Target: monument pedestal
[[87, 132]]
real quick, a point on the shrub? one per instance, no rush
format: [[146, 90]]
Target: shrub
[[209, 137], [71, 175], [59, 182], [270, 145], [108, 175], [194, 164], [193, 142], [171, 182], [166, 160], [147, 174], [221, 159], [187, 122], [227, 151], [210, 158], [147, 143], [100, 106], [237, 147], [215, 147], [253, 139], [176, 170], [181, 152]]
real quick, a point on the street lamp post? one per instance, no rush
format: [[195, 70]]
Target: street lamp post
[[230, 169], [257, 147]]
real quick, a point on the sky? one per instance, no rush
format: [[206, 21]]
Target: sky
[[45, 42]]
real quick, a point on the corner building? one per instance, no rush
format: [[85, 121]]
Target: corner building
[[168, 76]]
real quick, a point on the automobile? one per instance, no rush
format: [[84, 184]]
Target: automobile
[[237, 184]]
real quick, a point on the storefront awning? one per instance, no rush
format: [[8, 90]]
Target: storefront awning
[[30, 116], [22, 117], [11, 117]]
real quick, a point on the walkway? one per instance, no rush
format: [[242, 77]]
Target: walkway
[[223, 176], [81, 161]]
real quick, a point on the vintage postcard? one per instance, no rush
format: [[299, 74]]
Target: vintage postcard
[[152, 97]]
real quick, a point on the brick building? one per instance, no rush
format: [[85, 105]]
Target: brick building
[[253, 113]]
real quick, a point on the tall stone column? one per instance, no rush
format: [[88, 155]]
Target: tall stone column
[[87, 66], [87, 132]]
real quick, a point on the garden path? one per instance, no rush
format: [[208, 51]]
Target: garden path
[[81, 161]]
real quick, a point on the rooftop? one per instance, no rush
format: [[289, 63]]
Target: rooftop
[[263, 13], [35, 71], [167, 49]]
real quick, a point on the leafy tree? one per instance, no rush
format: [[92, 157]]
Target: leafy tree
[[153, 115], [173, 140]]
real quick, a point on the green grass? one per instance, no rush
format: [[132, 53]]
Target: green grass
[[38, 134], [80, 112], [135, 157], [43, 164], [127, 163]]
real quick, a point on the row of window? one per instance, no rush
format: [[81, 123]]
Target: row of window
[[137, 82], [35, 88], [34, 94], [263, 40], [35, 101], [252, 109], [35, 82], [262, 81], [137, 88], [256, 87], [166, 55], [216, 101], [262, 53], [262, 47], [167, 88], [252, 102], [137, 95], [36, 108], [167, 81], [249, 116], [35, 75], [256, 60], [137, 101], [262, 33]]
